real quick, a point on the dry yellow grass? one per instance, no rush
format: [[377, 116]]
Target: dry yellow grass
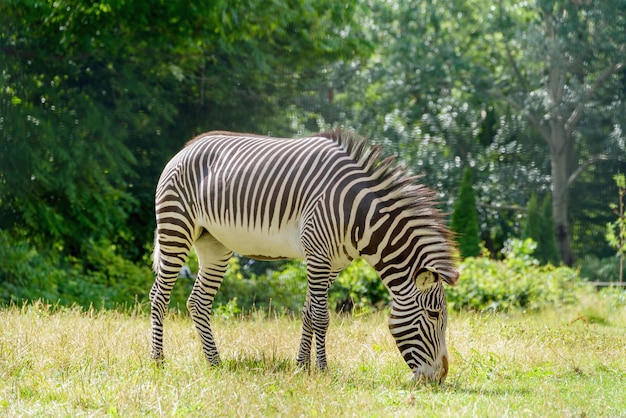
[[567, 362]]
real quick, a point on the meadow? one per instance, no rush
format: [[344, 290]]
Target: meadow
[[557, 362]]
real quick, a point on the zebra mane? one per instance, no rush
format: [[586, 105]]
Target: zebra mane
[[393, 179], [221, 133], [396, 185]]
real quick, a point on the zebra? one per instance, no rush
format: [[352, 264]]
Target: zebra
[[327, 199]]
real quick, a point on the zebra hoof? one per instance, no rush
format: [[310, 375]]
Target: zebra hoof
[[159, 359], [322, 367], [303, 366], [214, 360]]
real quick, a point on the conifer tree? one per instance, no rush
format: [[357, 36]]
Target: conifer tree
[[540, 228], [465, 218], [546, 244], [532, 226]]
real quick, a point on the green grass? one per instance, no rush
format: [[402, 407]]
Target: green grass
[[66, 362]]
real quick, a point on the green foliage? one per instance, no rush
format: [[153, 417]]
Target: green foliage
[[532, 226], [599, 269], [106, 280], [540, 228], [103, 279], [358, 288], [25, 273], [546, 243], [96, 96], [518, 282], [616, 231], [465, 218], [278, 291], [541, 50]]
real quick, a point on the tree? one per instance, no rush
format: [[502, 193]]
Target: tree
[[421, 95], [546, 244], [464, 221], [540, 229], [96, 96], [532, 226], [559, 64]]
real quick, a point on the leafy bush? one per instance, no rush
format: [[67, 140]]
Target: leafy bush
[[358, 287], [600, 269], [104, 279], [284, 290], [25, 273], [517, 282], [281, 291]]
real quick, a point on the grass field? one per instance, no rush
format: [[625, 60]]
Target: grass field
[[557, 363]]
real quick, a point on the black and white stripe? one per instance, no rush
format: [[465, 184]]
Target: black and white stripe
[[327, 199]]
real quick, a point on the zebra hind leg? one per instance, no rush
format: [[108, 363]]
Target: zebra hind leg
[[168, 260], [304, 352], [213, 259]]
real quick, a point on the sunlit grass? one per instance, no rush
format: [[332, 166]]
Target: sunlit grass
[[66, 362]]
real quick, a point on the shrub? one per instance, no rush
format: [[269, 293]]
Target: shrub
[[281, 291], [600, 269], [358, 287], [284, 290], [103, 279], [517, 282], [25, 273]]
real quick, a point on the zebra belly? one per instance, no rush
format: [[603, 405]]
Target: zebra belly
[[283, 243]]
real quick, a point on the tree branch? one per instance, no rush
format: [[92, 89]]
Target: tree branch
[[592, 160], [578, 111], [501, 207], [534, 121], [516, 71]]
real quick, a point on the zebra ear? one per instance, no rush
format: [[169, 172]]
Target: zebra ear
[[426, 277], [450, 276], [429, 275]]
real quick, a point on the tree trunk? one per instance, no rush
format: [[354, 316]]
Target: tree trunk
[[560, 156], [561, 145]]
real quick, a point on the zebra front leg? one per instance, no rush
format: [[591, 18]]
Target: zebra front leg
[[315, 316], [321, 319], [213, 259], [315, 320]]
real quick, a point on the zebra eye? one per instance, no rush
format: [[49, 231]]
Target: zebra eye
[[434, 315]]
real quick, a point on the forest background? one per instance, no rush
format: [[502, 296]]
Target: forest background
[[96, 96]]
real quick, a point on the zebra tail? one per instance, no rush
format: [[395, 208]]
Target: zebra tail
[[156, 255]]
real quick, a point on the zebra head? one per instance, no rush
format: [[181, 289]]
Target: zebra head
[[418, 321]]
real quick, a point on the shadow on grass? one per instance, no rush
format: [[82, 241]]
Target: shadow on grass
[[260, 363], [490, 388], [500, 390]]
